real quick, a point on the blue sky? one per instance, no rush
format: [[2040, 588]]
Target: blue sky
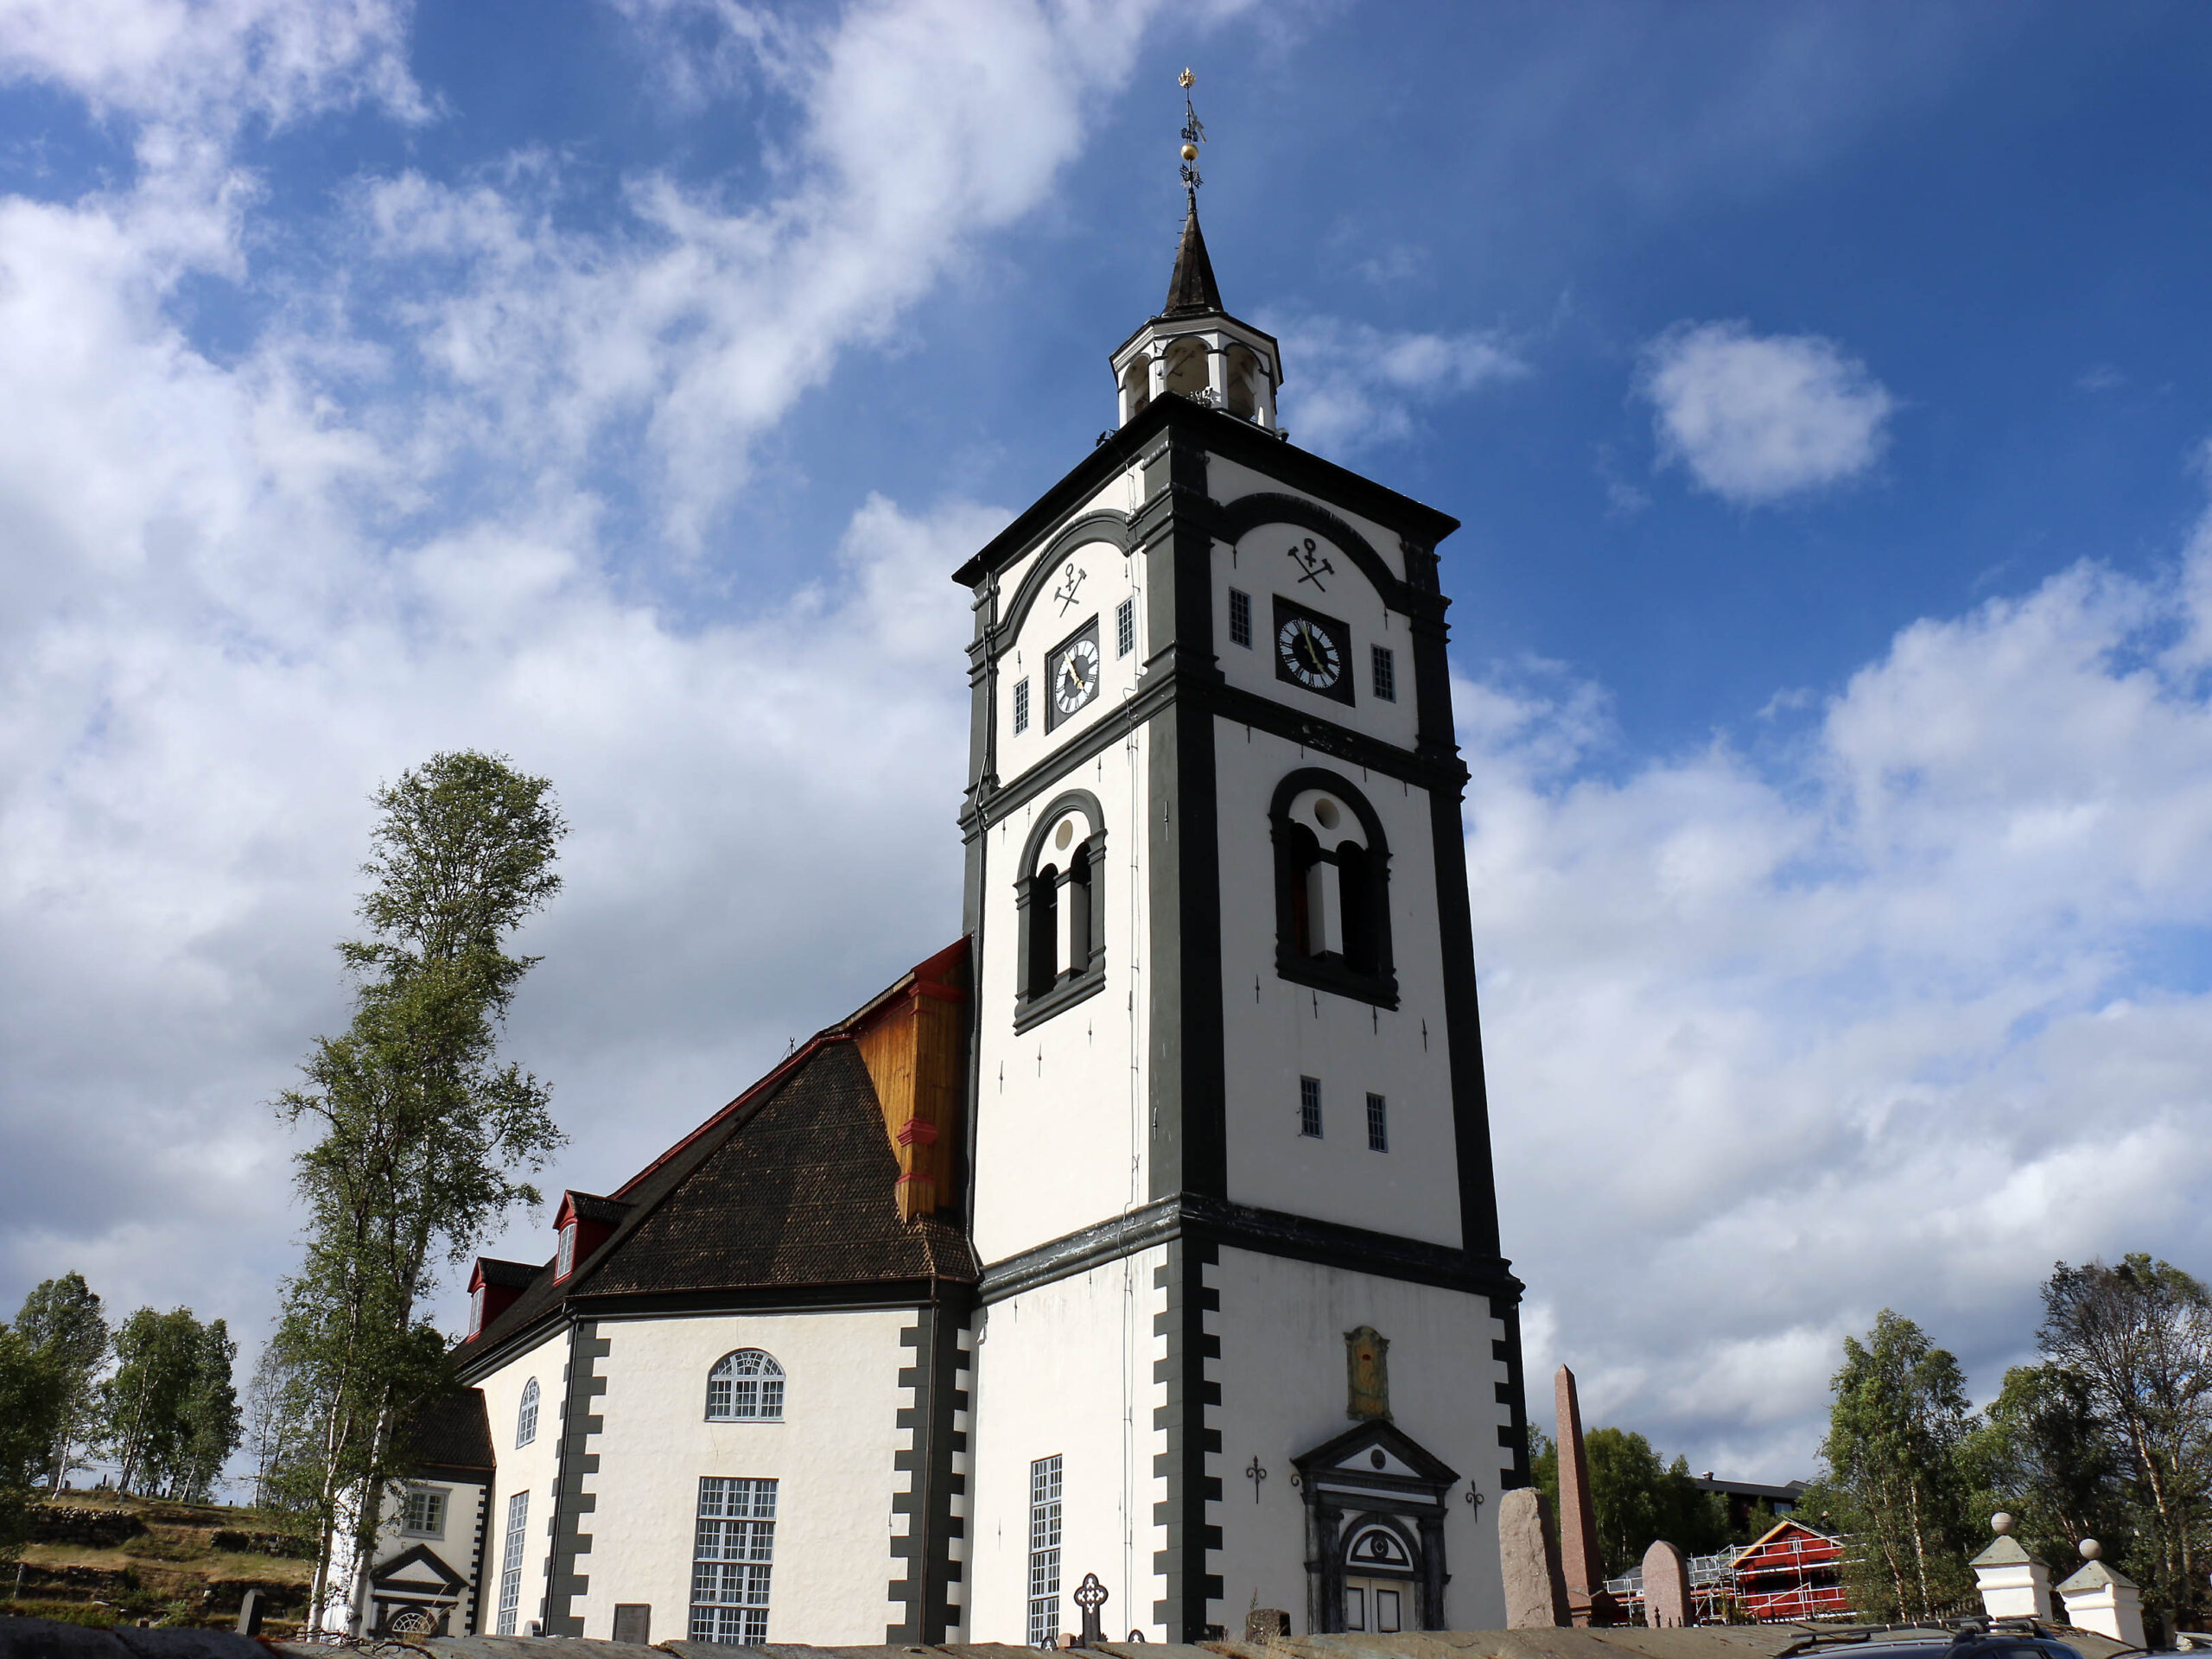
[[1823, 390]]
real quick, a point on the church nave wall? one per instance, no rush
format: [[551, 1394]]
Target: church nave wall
[[531, 1468], [831, 1455]]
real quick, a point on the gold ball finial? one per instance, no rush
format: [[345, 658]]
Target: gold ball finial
[[1190, 152], [1186, 78]]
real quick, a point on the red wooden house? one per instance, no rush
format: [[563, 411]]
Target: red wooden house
[[1791, 1572]]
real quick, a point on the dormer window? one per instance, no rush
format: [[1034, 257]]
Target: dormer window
[[476, 1312], [565, 1260]]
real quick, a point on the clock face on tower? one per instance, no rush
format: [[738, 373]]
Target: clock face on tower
[[1313, 651], [1071, 671]]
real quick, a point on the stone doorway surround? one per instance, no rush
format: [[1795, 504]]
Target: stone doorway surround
[[1374, 1478]]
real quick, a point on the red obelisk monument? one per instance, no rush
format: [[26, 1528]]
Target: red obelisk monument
[[1588, 1604]]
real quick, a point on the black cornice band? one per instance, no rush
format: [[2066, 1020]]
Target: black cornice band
[[1247, 1227], [1440, 774], [1232, 439]]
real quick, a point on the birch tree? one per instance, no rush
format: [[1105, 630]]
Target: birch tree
[[63, 1318], [423, 1135], [2139, 1337], [1895, 1431]]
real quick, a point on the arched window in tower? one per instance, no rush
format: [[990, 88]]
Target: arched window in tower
[[1186, 366], [1332, 900], [746, 1387], [1246, 379], [1059, 899], [526, 1415]]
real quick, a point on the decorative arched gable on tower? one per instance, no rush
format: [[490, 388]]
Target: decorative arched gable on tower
[[1332, 887], [1060, 894], [1103, 525], [1250, 512]]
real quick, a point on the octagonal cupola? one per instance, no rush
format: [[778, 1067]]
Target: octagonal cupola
[[1196, 349]]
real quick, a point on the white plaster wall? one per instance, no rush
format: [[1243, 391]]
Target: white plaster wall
[[832, 1458], [1280, 1031], [1060, 1118], [534, 1467], [1283, 1393], [1230, 480], [1067, 1369], [1109, 577]]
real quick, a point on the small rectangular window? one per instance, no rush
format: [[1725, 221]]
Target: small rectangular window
[[1044, 1553], [1386, 673], [733, 1554], [1125, 628], [1309, 1107], [422, 1514], [1378, 1124], [1021, 706], [1240, 619], [511, 1562]]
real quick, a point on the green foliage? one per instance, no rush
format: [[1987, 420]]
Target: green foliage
[[33, 1394], [169, 1409], [1635, 1498], [1895, 1476], [63, 1319], [2044, 1456], [424, 1133], [2135, 1341]]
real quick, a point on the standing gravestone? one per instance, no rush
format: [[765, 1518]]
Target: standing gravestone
[[250, 1612], [1587, 1603], [1666, 1588], [1535, 1595]]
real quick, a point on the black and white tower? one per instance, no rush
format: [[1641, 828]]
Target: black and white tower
[[1244, 1327]]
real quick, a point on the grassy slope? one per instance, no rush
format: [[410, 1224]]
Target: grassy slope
[[172, 1573]]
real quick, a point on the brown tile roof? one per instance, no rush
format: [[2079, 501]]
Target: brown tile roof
[[792, 1186], [453, 1431]]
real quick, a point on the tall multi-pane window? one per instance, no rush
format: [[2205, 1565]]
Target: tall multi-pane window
[[1021, 706], [511, 1562], [1378, 1123], [731, 1559], [1386, 673], [565, 1258], [746, 1386], [1125, 628], [526, 1415], [1309, 1107], [1240, 619], [1044, 1553]]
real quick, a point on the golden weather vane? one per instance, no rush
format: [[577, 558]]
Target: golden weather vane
[[1194, 134]]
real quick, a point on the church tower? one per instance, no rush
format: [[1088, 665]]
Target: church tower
[[1244, 1330]]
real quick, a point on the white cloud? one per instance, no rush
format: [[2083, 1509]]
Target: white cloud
[[1757, 418], [236, 594], [1901, 1019], [1351, 385]]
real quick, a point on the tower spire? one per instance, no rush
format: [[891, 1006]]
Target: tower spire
[[1191, 290]]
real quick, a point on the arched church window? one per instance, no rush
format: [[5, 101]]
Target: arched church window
[[526, 1415], [1060, 902], [1332, 900], [746, 1387]]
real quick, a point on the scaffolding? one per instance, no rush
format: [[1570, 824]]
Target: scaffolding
[[1790, 1575]]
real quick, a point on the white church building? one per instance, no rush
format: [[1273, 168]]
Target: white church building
[[1148, 1231]]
